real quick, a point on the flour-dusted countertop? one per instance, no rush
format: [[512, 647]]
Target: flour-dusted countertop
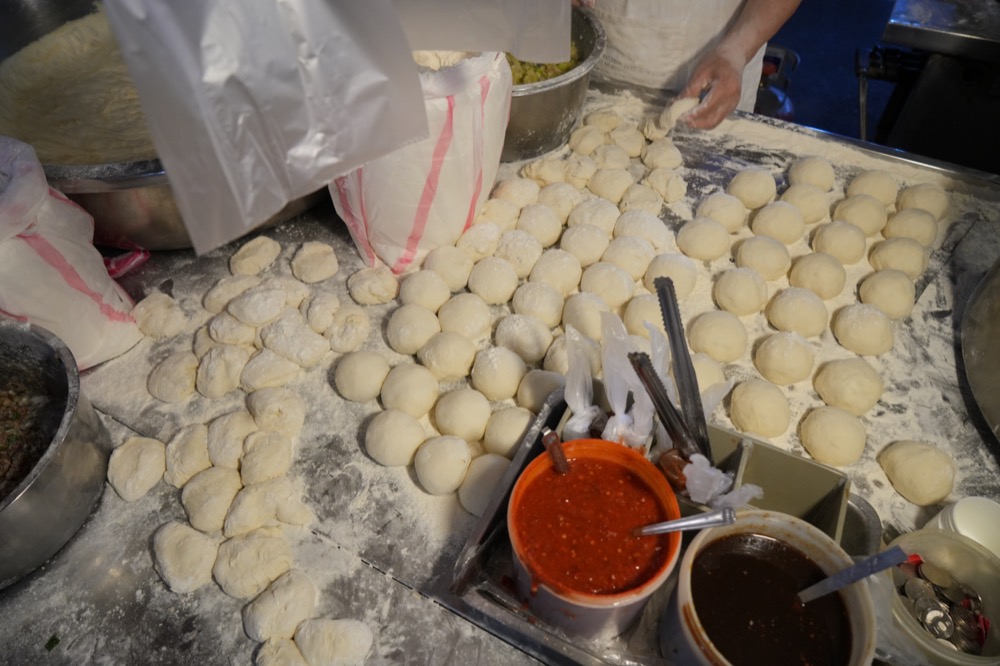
[[381, 549]]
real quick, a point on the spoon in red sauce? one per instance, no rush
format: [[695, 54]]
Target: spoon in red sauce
[[553, 446], [724, 516]]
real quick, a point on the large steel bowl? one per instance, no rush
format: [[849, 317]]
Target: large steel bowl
[[542, 114], [43, 512]]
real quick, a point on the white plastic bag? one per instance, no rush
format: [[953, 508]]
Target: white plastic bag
[[50, 273], [633, 427], [579, 392], [424, 195]]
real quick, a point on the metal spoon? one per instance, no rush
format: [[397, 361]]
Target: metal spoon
[[725, 516], [854, 573]]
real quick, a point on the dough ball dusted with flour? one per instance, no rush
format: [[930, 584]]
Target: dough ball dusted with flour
[[849, 383], [258, 305], [812, 170], [608, 282], [441, 464], [537, 386], [521, 249], [466, 314], [610, 184], [173, 379], [586, 242], [342, 641], [277, 409], [631, 254], [410, 388], [542, 222], [596, 212], [159, 316], [811, 201], [798, 310], [254, 256], [392, 438], [221, 368], [903, 254], [452, 264], [784, 358], [780, 220], [208, 496], [912, 223], [820, 273], [448, 356], [863, 211], [410, 327], [741, 291], [877, 183], [359, 375], [136, 466], [891, 291], [480, 481], [517, 190], [863, 329], [586, 139], [718, 334], [725, 209], [667, 183], [526, 336], [841, 240], [462, 413], [497, 372], [643, 224], [493, 279], [279, 609], [833, 436], [226, 289], [925, 196], [426, 288], [349, 328], [920, 472], [480, 240], [765, 255], [539, 300], [557, 268], [505, 429], [373, 285], [759, 407], [500, 212], [583, 312], [681, 270], [754, 186], [183, 557], [703, 238], [314, 262]]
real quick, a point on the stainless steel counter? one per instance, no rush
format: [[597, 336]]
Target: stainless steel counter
[[965, 28]]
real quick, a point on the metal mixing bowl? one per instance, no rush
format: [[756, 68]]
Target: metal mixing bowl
[[542, 114], [51, 503]]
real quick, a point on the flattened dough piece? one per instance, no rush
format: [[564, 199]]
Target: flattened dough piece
[[247, 564], [136, 466], [208, 496], [187, 454], [344, 641], [315, 262], [279, 609], [183, 557], [173, 379], [254, 256]]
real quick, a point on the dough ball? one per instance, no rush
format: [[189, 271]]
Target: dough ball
[[641, 310], [609, 283], [505, 430], [585, 140], [226, 329], [546, 170], [784, 358], [392, 438], [493, 279], [560, 197], [603, 119], [833, 436], [452, 264], [557, 359], [585, 242], [798, 310], [707, 370], [425, 288], [291, 337], [703, 238], [912, 223], [667, 183], [719, 334], [841, 240], [661, 153], [319, 310], [641, 197], [314, 262], [850, 383], [481, 480], [526, 336], [725, 209], [279, 652], [741, 291], [208, 496], [186, 454], [680, 269], [254, 256], [754, 186], [610, 184], [518, 190], [925, 196], [759, 407], [410, 388], [183, 557], [343, 641], [410, 327], [136, 466], [225, 437], [583, 312], [630, 139], [226, 289], [644, 225], [611, 156], [596, 212], [521, 249], [536, 387], [359, 375], [266, 455], [670, 115], [811, 201], [441, 464], [877, 183], [891, 291], [820, 273], [781, 221], [863, 211], [559, 269], [579, 169], [542, 222], [863, 329], [466, 314], [159, 316], [480, 240], [497, 372], [650, 128], [631, 254], [448, 355], [296, 291], [173, 379], [539, 300], [812, 170], [373, 285], [902, 254], [277, 409], [462, 413], [920, 472], [349, 329], [221, 368], [279, 609], [765, 255], [500, 212], [247, 564]]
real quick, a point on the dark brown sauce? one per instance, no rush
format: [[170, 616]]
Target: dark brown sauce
[[745, 589]]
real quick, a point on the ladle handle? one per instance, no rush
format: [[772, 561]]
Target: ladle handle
[[724, 516]]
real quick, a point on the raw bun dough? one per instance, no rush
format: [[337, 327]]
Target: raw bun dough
[[583, 312], [410, 327], [183, 557], [560, 197], [448, 356], [608, 282], [603, 119], [585, 140], [349, 329], [259, 305], [833, 436], [557, 360], [208, 496], [226, 289], [452, 264], [611, 156], [920, 472], [610, 184], [493, 279], [629, 139], [841, 240], [359, 375], [891, 291], [426, 288], [278, 410], [863, 329], [159, 316], [480, 481], [765, 255], [392, 438], [521, 249], [681, 270], [670, 115], [173, 379], [254, 256], [518, 190], [667, 183], [279, 609], [863, 211], [500, 212], [703, 238], [226, 329], [410, 388], [466, 314], [877, 183], [462, 413], [585, 242], [719, 334], [725, 209], [266, 455], [904, 254], [631, 254], [812, 170], [480, 240], [707, 371], [546, 170], [221, 368], [784, 358], [912, 223], [266, 503], [596, 212], [741, 291], [136, 466], [225, 437], [642, 197], [186, 454], [759, 407], [441, 464], [315, 262], [850, 383], [497, 372], [644, 225], [779, 220], [559, 269], [342, 642], [291, 337], [754, 186], [925, 196], [661, 153], [539, 300], [820, 273], [542, 222], [798, 310], [505, 430], [373, 285], [640, 311], [526, 336], [811, 201], [537, 386]]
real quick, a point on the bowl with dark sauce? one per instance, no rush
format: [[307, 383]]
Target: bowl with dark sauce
[[736, 599]]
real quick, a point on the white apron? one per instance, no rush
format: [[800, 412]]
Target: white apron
[[656, 43]]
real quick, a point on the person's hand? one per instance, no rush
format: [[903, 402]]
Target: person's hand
[[717, 79]]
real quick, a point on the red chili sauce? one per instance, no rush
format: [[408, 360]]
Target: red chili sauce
[[745, 590], [575, 528]]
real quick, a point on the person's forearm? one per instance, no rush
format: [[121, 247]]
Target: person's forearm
[[758, 22]]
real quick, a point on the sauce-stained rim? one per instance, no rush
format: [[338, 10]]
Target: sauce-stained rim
[[647, 471]]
